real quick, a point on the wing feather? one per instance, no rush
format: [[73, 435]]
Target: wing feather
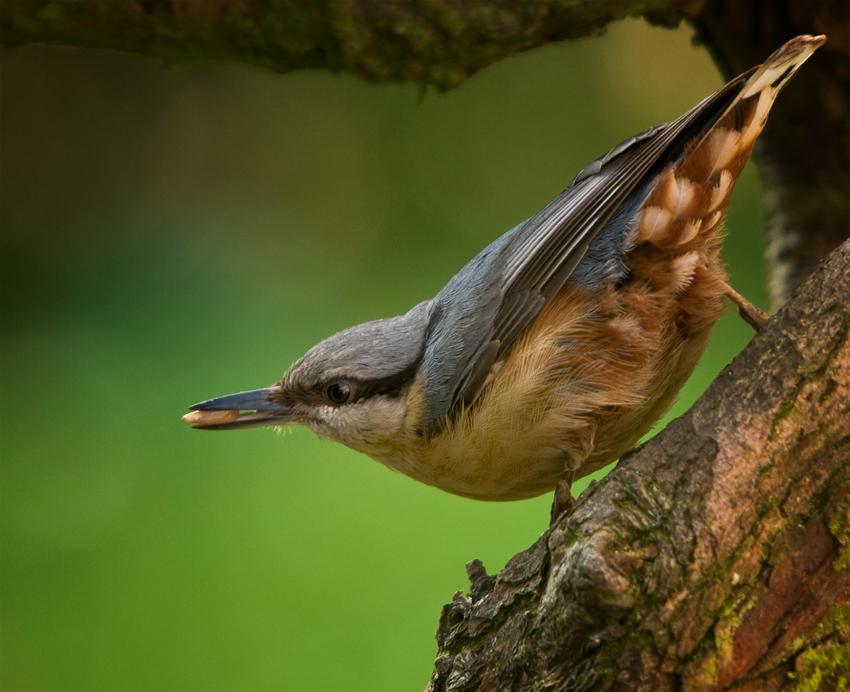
[[548, 247], [495, 298]]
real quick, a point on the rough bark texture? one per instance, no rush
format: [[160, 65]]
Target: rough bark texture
[[714, 557], [428, 42]]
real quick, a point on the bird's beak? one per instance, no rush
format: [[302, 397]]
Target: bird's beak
[[252, 409]]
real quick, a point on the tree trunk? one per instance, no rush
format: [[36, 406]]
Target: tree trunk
[[713, 557]]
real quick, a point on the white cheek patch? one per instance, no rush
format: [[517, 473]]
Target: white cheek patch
[[363, 425]]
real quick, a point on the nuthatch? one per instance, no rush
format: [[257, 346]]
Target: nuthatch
[[561, 343]]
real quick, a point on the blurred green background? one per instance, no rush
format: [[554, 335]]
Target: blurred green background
[[173, 235]]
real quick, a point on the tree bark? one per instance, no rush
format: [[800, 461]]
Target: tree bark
[[715, 557], [431, 43]]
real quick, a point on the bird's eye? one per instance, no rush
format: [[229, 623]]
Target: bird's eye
[[338, 392]]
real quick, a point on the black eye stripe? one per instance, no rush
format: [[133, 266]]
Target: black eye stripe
[[392, 386]]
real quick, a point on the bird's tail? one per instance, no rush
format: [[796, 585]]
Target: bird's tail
[[692, 193]]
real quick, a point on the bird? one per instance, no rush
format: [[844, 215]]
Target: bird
[[558, 346]]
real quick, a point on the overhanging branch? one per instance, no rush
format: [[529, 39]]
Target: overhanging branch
[[431, 43]]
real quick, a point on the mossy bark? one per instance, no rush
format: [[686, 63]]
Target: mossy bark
[[431, 43], [715, 557]]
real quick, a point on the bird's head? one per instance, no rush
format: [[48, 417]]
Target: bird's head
[[352, 388]]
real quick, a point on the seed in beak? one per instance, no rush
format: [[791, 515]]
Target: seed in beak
[[210, 417]]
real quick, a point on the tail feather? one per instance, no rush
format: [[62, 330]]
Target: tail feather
[[694, 191], [782, 64]]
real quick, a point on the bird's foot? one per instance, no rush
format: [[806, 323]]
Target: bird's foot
[[752, 315], [562, 502]]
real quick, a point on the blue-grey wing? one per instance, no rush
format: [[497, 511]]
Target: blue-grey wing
[[549, 247], [495, 298]]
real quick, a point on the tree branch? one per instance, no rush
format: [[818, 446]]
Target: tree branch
[[713, 557], [432, 43]]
